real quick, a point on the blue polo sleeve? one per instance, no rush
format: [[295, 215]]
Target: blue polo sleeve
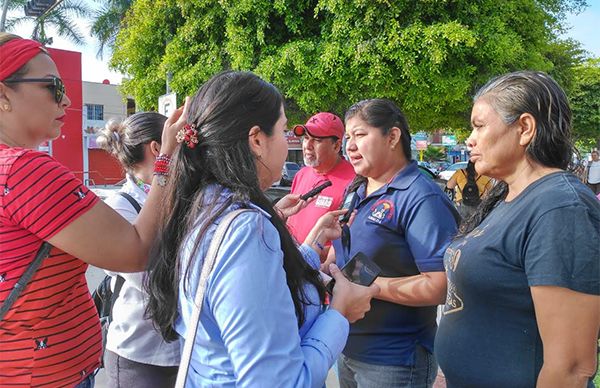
[[429, 227]]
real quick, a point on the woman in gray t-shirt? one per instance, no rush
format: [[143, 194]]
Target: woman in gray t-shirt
[[522, 303]]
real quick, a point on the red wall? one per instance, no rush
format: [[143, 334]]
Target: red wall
[[68, 147], [104, 169]]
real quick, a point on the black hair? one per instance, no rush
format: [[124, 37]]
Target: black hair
[[471, 169], [125, 140], [536, 93], [384, 115], [224, 110]]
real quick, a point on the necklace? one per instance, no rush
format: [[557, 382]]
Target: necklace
[[142, 185]]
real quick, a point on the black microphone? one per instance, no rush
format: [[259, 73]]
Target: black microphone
[[315, 191]]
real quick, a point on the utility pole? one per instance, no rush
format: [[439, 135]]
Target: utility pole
[[3, 18]]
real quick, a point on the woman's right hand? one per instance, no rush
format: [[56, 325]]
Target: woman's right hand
[[350, 299], [174, 123]]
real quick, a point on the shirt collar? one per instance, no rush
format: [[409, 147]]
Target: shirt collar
[[401, 181], [225, 194], [405, 177], [133, 188]]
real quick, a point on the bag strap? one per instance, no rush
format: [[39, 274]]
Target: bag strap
[[115, 295], [121, 279], [209, 263], [20, 285], [132, 201]]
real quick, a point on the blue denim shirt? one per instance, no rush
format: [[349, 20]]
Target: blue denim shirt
[[248, 334]]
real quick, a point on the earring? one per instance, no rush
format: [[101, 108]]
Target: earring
[[6, 107]]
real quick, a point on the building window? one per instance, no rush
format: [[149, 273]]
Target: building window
[[95, 112]]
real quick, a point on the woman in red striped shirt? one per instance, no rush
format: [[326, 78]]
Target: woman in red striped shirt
[[51, 335]]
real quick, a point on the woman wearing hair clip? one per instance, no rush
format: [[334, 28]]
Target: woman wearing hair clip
[[136, 355], [51, 334], [523, 306], [262, 322]]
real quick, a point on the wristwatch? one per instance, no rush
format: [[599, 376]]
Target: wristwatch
[[161, 180]]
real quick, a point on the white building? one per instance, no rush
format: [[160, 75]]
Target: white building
[[101, 103]]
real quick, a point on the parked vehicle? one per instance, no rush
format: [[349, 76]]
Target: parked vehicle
[[275, 193], [433, 176], [288, 173], [447, 173]]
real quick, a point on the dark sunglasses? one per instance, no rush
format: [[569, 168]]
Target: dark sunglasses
[[57, 87]]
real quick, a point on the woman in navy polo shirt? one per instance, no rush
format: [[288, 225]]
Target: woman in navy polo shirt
[[404, 222]]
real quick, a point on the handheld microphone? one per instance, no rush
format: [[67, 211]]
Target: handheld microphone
[[315, 191]]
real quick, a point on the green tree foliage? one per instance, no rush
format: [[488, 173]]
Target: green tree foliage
[[434, 153], [106, 23], [585, 103], [427, 55]]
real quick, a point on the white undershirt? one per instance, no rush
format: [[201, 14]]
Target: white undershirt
[[129, 334]]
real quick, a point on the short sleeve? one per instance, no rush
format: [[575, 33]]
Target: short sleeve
[[122, 206], [563, 250], [43, 196], [429, 230]]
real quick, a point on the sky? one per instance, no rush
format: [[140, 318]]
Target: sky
[[584, 28]]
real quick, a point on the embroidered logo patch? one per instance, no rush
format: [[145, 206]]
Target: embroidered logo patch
[[41, 344], [79, 193], [381, 210]]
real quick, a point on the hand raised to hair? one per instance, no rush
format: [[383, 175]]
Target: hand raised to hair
[[173, 124]]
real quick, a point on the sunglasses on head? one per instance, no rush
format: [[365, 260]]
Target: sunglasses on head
[[57, 87]]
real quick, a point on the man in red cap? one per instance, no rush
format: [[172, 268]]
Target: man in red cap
[[321, 145]]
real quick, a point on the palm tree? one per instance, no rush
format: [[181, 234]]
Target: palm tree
[[62, 17], [107, 23]]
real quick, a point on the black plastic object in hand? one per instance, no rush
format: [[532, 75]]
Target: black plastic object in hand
[[315, 191], [360, 270]]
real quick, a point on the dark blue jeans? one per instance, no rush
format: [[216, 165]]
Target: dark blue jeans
[[356, 374], [88, 382]]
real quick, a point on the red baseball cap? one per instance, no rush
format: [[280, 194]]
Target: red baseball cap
[[323, 124]]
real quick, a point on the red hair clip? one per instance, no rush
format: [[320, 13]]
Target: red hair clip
[[188, 135]]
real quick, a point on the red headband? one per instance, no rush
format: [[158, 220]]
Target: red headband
[[15, 53]]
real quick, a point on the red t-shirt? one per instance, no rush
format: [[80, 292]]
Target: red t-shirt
[[51, 335], [329, 199]]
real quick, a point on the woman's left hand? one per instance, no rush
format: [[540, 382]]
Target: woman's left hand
[[173, 125], [290, 205], [326, 229]]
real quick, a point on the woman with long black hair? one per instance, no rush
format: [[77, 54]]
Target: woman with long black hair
[[262, 322]]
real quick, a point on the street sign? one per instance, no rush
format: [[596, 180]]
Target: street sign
[[421, 145], [448, 140], [167, 103], [38, 7], [419, 136]]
